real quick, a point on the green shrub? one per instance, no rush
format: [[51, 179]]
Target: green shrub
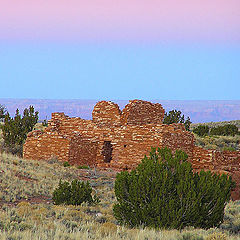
[[231, 149], [83, 167], [74, 194], [164, 192], [45, 123], [175, 116], [225, 130], [201, 130], [3, 112], [66, 164], [15, 130]]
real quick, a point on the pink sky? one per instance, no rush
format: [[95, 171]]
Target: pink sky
[[121, 20]]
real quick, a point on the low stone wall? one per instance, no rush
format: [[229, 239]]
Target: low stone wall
[[202, 159], [221, 162], [44, 146]]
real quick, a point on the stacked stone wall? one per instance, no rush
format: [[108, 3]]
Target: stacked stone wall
[[131, 143], [220, 162], [202, 159], [43, 146], [106, 114], [139, 112], [176, 138], [82, 151]]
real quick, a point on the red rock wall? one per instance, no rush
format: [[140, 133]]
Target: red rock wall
[[43, 146], [176, 138], [139, 112], [106, 114], [202, 159], [131, 143], [82, 152]]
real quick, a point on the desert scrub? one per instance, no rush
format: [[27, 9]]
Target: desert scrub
[[66, 164], [23, 179], [232, 217], [218, 142], [217, 236], [48, 221], [71, 222], [83, 167], [216, 124], [74, 193]]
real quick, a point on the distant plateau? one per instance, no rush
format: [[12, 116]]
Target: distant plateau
[[198, 110]]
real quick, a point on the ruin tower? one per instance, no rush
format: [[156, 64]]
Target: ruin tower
[[139, 112], [106, 114]]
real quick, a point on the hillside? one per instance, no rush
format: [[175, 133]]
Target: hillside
[[218, 142], [27, 211]]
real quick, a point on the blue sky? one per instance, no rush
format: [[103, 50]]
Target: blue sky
[[104, 49], [119, 71]]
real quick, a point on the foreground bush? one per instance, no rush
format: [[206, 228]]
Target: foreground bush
[[74, 194], [163, 192]]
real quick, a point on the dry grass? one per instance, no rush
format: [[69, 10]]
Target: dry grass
[[219, 142], [39, 126], [27, 212]]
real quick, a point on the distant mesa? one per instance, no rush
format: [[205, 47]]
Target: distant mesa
[[199, 111]]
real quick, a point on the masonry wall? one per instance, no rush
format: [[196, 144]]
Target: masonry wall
[[139, 112], [106, 114], [43, 146], [202, 159], [131, 143], [82, 152], [221, 162], [175, 137]]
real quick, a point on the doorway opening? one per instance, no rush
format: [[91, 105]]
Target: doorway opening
[[107, 151]]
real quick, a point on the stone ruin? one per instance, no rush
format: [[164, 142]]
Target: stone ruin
[[120, 139]]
